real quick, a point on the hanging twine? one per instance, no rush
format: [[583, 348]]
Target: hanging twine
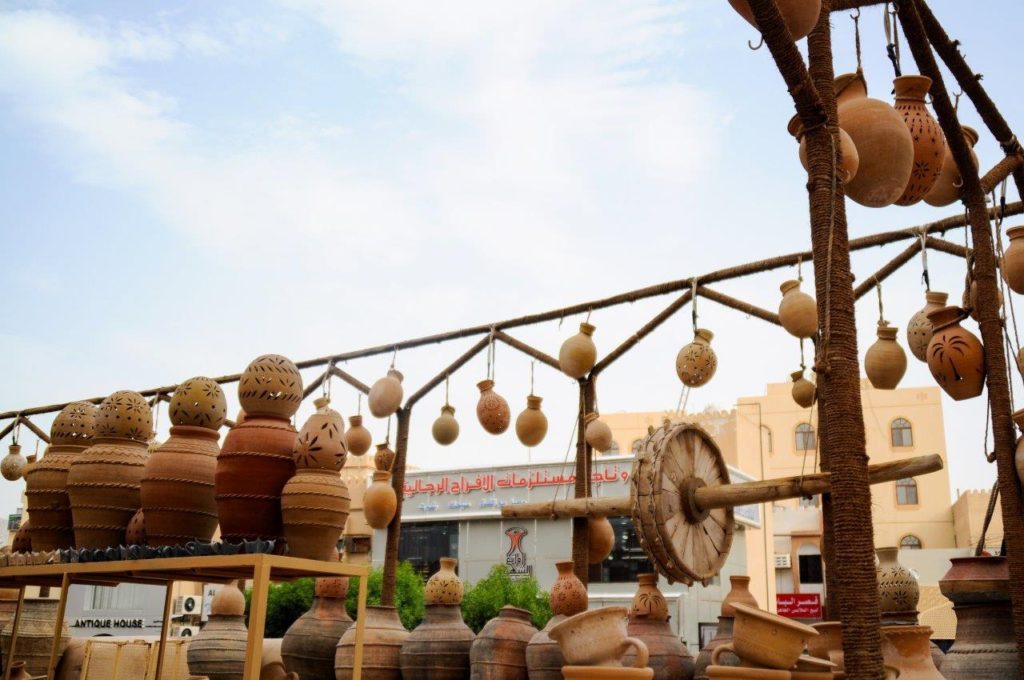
[[800, 268], [693, 303], [925, 278], [447, 378], [856, 36], [359, 403], [892, 39], [992, 499], [803, 366], [387, 434], [491, 355], [394, 357], [16, 433], [326, 384], [533, 365], [881, 309]]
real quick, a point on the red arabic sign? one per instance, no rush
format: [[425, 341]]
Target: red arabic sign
[[798, 605], [457, 485]]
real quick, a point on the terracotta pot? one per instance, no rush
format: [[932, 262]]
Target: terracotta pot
[[1018, 418], [544, 660], [383, 636], [358, 438], [723, 636], [380, 502], [805, 393], [492, 410], [598, 638], [499, 650], [956, 357], [444, 587], [850, 159], [218, 651], [275, 670], [385, 397], [578, 354], [829, 643], [135, 533], [907, 648], [22, 541], [12, 467], [668, 655], [568, 594], [46, 491], [314, 509], [446, 428], [929, 142], [766, 639], [19, 671], [648, 602], [532, 424], [35, 635], [438, 649], [309, 645], [1013, 260], [949, 185], [270, 387], [798, 312], [601, 539], [696, 362], [898, 590], [739, 593], [919, 328], [597, 433], [801, 16], [883, 142], [321, 441], [885, 361], [384, 459]]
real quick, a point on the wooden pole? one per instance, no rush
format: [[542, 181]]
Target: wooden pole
[[387, 590], [580, 535]]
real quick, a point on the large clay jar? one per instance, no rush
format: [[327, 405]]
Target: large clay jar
[[956, 357], [358, 438], [597, 433], [568, 597], [385, 397], [568, 594], [739, 592], [256, 460], [383, 636], [35, 635], [104, 480], [850, 160], [919, 328], [829, 643], [218, 651], [949, 185], [649, 622], [380, 502], [883, 142], [438, 648], [979, 588], [801, 16], [798, 312], [1013, 260], [578, 354], [898, 590], [492, 410], [444, 587], [804, 391], [446, 429], [309, 645], [929, 142], [885, 361], [696, 362], [46, 494], [532, 424], [177, 490], [600, 539], [499, 650], [907, 648]]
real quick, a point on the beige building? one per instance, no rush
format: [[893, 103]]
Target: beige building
[[969, 517]]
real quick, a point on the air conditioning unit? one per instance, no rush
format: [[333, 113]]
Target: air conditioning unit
[[186, 605], [783, 561], [184, 631]]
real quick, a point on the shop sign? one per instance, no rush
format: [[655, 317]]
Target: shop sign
[[108, 623], [798, 605], [515, 558]]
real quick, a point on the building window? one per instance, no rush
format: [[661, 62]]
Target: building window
[[910, 542], [423, 545], [627, 559], [906, 491], [14, 522], [902, 433], [805, 437], [810, 569], [635, 446], [124, 596]]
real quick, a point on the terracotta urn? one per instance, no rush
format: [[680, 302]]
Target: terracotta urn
[[929, 142], [956, 357], [568, 594], [532, 424], [919, 328], [492, 410], [765, 639], [600, 539], [104, 481], [380, 502], [218, 651], [598, 637], [358, 439], [648, 602], [850, 159], [12, 467], [309, 645], [829, 643], [438, 648], [384, 458], [805, 393], [947, 188], [544, 660], [798, 312], [898, 590], [385, 396], [1018, 418], [444, 587], [499, 650], [382, 643], [135, 533], [696, 362], [1013, 260], [801, 16], [578, 354], [46, 481], [445, 429], [36, 631], [907, 648], [597, 433], [885, 361]]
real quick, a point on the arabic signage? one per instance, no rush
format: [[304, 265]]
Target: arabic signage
[[798, 605], [515, 558]]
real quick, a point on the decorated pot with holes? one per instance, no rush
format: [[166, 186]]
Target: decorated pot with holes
[[444, 587], [798, 312], [499, 650], [568, 594], [314, 508], [104, 481], [929, 142], [648, 602], [438, 648], [46, 493], [907, 647], [385, 396], [884, 146], [956, 357], [804, 391], [578, 354], [383, 637], [885, 361], [696, 362], [801, 16], [600, 539], [36, 630], [919, 328], [12, 467], [492, 410], [532, 424], [850, 158], [321, 441], [384, 459], [445, 429], [309, 645], [949, 185], [357, 439], [380, 502], [1013, 260], [218, 650], [898, 590], [135, 534], [597, 433]]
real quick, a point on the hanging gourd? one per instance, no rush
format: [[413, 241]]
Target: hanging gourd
[[446, 428], [13, 464], [919, 328], [358, 439], [847, 149], [578, 354], [929, 142], [492, 410], [798, 312], [597, 433], [956, 356], [804, 391], [379, 501], [385, 396], [600, 539], [696, 362], [801, 16], [1012, 265], [949, 185], [532, 424], [885, 361]]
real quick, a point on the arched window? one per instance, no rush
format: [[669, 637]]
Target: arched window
[[804, 437], [910, 542], [635, 446], [906, 491], [613, 449], [902, 432]]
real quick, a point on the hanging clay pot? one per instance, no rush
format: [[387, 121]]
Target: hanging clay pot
[[135, 533], [850, 161], [218, 651], [929, 142], [949, 185], [492, 410], [446, 428], [804, 391], [256, 460], [358, 439], [46, 480], [104, 480], [601, 539], [499, 650], [22, 541], [384, 459], [898, 590], [321, 441], [907, 647], [919, 328], [36, 630], [385, 396], [1018, 418], [597, 433], [568, 594], [956, 357], [1013, 260], [444, 587], [798, 312], [532, 424], [314, 508], [885, 361], [309, 645], [438, 648], [383, 637], [12, 467], [801, 16], [380, 502], [696, 362], [578, 354]]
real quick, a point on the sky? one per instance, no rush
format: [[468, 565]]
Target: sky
[[185, 186]]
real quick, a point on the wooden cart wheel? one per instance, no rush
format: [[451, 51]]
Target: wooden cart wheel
[[684, 542]]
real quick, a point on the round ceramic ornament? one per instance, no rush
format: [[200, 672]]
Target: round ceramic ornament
[[125, 415], [199, 402], [270, 386]]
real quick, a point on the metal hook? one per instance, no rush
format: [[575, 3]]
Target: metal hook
[[856, 17], [756, 47]]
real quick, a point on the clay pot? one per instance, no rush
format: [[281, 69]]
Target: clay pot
[[22, 541], [907, 648], [444, 587], [275, 670], [829, 643], [898, 590], [271, 387], [597, 433], [135, 533], [358, 438], [766, 639], [380, 502], [12, 467], [739, 593], [956, 357], [532, 424], [949, 185], [309, 645], [850, 161], [383, 636], [696, 362], [46, 491], [19, 671], [919, 328], [804, 391], [578, 354], [104, 480], [544, 660], [492, 410], [601, 539], [385, 396], [446, 428], [35, 635], [885, 361], [314, 508], [321, 441], [499, 650], [883, 141], [801, 16], [218, 651], [929, 142], [384, 459], [568, 594], [598, 638], [723, 635], [438, 648], [199, 402], [798, 312], [1013, 260], [668, 655], [648, 603]]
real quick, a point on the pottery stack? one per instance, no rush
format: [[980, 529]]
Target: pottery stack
[[438, 648], [544, 659], [383, 635], [218, 651], [309, 645], [649, 622], [499, 650], [740, 592], [769, 642], [594, 644], [898, 595]]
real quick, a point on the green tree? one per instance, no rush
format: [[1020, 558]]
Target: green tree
[[408, 594], [487, 596], [285, 603]]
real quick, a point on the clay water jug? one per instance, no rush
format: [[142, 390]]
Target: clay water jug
[[35, 635], [385, 396], [929, 142], [12, 467], [885, 361], [804, 391], [444, 587], [438, 648], [898, 590], [383, 637], [798, 312], [597, 433], [907, 648], [309, 645], [578, 354], [358, 439], [446, 428], [601, 539], [949, 185], [218, 650], [739, 592], [492, 410], [568, 594], [499, 650], [884, 145], [380, 502], [850, 159], [532, 424], [801, 16], [19, 671], [256, 460], [649, 622], [46, 492], [696, 362], [104, 480], [919, 328], [956, 357], [178, 497], [1013, 260]]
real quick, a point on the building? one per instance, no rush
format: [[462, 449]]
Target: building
[[969, 518]]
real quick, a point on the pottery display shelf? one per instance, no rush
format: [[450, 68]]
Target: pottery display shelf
[[261, 568]]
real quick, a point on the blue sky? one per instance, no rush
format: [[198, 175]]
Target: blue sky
[[184, 187]]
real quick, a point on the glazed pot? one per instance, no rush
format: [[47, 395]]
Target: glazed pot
[[383, 636], [696, 362], [850, 159], [499, 650], [1013, 260], [438, 649], [321, 441], [357, 438], [598, 638], [765, 639], [667, 654], [949, 185], [309, 645], [12, 467], [907, 648], [380, 502], [532, 424], [601, 539], [578, 354], [597, 433], [492, 410], [885, 361], [956, 357], [314, 508], [544, 660], [444, 587], [829, 643], [801, 16], [568, 594], [898, 590], [929, 142], [805, 393], [919, 328], [798, 312], [648, 602], [36, 629], [385, 397], [446, 428]]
